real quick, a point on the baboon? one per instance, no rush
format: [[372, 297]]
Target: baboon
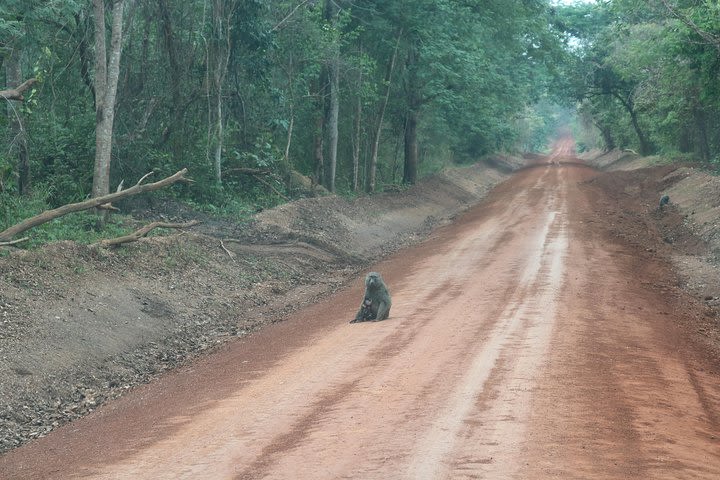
[[664, 200], [376, 302]]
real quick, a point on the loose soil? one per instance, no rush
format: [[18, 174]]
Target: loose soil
[[564, 327]]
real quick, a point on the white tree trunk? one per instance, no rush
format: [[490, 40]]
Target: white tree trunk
[[107, 72], [18, 141], [372, 168], [333, 122]]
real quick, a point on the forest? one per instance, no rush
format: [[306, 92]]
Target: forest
[[266, 101]]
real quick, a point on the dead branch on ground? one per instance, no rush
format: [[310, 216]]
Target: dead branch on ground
[[48, 215], [137, 235], [230, 254], [14, 242]]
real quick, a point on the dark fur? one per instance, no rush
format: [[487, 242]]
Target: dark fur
[[664, 200], [376, 302]]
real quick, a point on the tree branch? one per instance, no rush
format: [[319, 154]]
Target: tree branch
[[17, 93], [282, 22], [14, 242], [92, 203], [708, 37], [137, 235]]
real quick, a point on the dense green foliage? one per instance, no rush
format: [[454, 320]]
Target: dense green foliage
[[354, 95], [223, 86], [645, 73]]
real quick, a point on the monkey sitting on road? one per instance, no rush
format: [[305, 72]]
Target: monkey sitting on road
[[376, 302], [664, 200], [365, 312]]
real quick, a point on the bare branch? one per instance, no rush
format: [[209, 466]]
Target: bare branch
[[18, 92], [248, 171], [14, 242], [92, 203], [230, 254], [282, 22], [137, 235]]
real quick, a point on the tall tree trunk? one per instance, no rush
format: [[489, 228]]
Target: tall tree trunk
[[332, 125], [607, 137], [356, 142], [357, 129], [175, 72], [291, 112], [319, 134], [82, 26], [223, 12], [372, 169], [411, 148], [703, 146], [645, 147], [219, 130], [217, 58], [411, 118], [107, 72], [291, 125], [18, 135], [333, 105]]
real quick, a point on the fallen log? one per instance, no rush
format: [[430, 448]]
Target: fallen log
[[137, 235], [48, 215]]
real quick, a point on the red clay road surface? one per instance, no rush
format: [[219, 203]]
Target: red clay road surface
[[522, 344]]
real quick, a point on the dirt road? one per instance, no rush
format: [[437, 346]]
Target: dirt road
[[522, 343]]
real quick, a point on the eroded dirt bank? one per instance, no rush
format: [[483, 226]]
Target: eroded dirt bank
[[543, 334]]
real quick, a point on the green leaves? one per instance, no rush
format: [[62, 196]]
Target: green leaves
[[650, 66]]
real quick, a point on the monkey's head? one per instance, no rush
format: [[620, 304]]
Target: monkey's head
[[373, 280]]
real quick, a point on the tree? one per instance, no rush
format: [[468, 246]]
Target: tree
[[18, 134], [332, 106], [107, 71]]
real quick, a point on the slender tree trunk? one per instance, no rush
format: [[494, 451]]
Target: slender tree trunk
[[607, 136], [289, 136], [291, 107], [332, 109], [356, 142], [371, 173], [175, 72], [319, 134], [219, 129], [18, 135], [84, 50], [357, 130], [333, 106], [411, 118], [396, 153], [411, 148], [217, 57], [222, 15], [107, 72], [645, 147], [318, 154], [702, 136]]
